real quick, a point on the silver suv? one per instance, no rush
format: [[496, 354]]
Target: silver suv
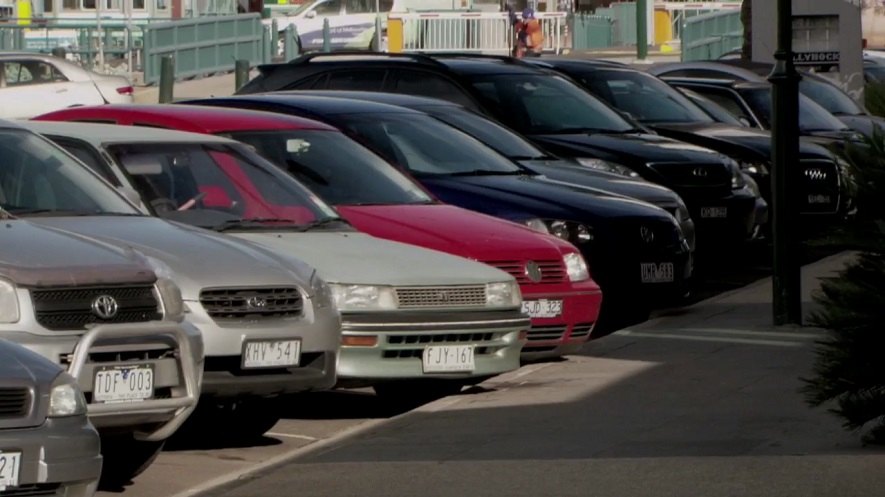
[[268, 323], [47, 446]]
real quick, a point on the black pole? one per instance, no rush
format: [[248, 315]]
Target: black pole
[[787, 296]]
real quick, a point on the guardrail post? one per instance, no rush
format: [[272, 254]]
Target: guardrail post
[[241, 73], [289, 48], [376, 40], [167, 78], [274, 38], [327, 36], [20, 42]]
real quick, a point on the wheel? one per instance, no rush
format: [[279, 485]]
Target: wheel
[[125, 458], [251, 420], [241, 421], [418, 390]]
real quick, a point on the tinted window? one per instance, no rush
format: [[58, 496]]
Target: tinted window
[[427, 84], [727, 100], [503, 140], [364, 80], [31, 72], [309, 83], [427, 146], [694, 73], [330, 8], [829, 97], [87, 155], [715, 110], [539, 104], [335, 167], [812, 117]]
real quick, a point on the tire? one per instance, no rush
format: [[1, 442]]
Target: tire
[[125, 458], [242, 421]]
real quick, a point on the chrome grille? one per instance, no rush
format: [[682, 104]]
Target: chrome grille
[[15, 402], [251, 303], [552, 271], [72, 308], [543, 333], [581, 330], [694, 174], [441, 296], [821, 187], [450, 338]]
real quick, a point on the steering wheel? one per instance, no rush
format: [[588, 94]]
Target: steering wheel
[[163, 204]]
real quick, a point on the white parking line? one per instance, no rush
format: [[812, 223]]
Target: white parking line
[[291, 435]]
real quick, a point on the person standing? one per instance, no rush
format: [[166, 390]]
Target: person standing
[[534, 35]]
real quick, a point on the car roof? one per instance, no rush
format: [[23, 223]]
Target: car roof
[[462, 63], [320, 104], [210, 119], [99, 134], [479, 64], [380, 97], [580, 64]]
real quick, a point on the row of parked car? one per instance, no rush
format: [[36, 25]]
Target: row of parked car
[[407, 222]]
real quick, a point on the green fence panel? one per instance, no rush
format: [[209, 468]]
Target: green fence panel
[[204, 45], [708, 36], [592, 31], [623, 17]]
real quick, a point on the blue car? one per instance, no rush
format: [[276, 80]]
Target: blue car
[[639, 254]]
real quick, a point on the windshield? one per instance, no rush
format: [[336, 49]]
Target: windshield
[[427, 146], [834, 100], [646, 98], [217, 185], [545, 104], [812, 117], [39, 178], [335, 167], [494, 135]]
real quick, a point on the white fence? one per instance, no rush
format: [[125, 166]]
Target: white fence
[[481, 32]]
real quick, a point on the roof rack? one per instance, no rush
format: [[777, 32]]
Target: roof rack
[[471, 55], [416, 57]]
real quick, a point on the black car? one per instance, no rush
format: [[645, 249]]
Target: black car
[[637, 249], [549, 109], [816, 88], [517, 148], [664, 109]]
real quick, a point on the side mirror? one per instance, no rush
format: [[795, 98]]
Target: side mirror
[[310, 14]]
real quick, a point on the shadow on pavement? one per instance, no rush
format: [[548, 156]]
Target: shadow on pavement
[[345, 404]]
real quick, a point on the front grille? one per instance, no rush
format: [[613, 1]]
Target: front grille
[[582, 330], [73, 308], [543, 333], [15, 402], [820, 187], [35, 490], [645, 235], [441, 296], [450, 338], [552, 271], [419, 353], [252, 303], [693, 175]]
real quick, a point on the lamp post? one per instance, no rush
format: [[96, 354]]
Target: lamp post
[[786, 297]]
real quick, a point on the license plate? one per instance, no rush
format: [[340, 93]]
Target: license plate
[[271, 353], [542, 308], [714, 212], [10, 467], [819, 199], [657, 273], [123, 383], [448, 358]]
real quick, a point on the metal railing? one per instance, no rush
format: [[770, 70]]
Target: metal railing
[[707, 36]]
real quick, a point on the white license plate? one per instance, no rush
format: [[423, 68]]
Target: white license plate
[[657, 273], [819, 199], [448, 358], [714, 212], [10, 467], [271, 353], [123, 383], [542, 308]]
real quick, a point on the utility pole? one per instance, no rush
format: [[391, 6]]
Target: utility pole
[[642, 29], [787, 286]]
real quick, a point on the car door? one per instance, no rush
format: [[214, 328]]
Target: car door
[[310, 25], [31, 87], [429, 84]]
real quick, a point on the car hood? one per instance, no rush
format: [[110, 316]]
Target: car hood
[[563, 171], [38, 256], [862, 124], [454, 230], [358, 258], [502, 195], [24, 367], [628, 149], [741, 143], [195, 258]]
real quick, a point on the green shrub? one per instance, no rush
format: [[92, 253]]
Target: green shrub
[[874, 98]]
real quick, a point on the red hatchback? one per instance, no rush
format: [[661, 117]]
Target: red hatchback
[[379, 199]]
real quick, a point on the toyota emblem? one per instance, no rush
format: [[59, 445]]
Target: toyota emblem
[[533, 272], [256, 302], [700, 172], [105, 306], [646, 234]]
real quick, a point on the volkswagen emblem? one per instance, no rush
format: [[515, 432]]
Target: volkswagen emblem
[[700, 172], [533, 272], [816, 174], [256, 302], [646, 234], [105, 306]]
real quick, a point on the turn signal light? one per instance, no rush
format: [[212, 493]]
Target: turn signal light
[[359, 341]]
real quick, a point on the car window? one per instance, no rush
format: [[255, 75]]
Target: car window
[[316, 82], [725, 99], [330, 8], [87, 155], [31, 72], [364, 80], [829, 97], [427, 84], [716, 111], [696, 73], [812, 117], [360, 6], [503, 140]]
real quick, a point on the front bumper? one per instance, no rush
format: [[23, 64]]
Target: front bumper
[[725, 219], [401, 338], [565, 334], [173, 351], [224, 376], [60, 457]]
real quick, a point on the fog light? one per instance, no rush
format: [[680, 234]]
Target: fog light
[[359, 341]]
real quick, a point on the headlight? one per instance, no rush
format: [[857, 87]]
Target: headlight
[[170, 295], [505, 294], [752, 185], [576, 233], [737, 178], [66, 399], [320, 291], [559, 229], [363, 297], [752, 167], [537, 225], [583, 233], [8, 303], [609, 167], [682, 213], [576, 267]]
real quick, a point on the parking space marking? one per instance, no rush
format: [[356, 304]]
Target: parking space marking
[[291, 435]]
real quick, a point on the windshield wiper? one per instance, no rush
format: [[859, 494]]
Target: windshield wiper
[[321, 222], [253, 223], [486, 172]]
